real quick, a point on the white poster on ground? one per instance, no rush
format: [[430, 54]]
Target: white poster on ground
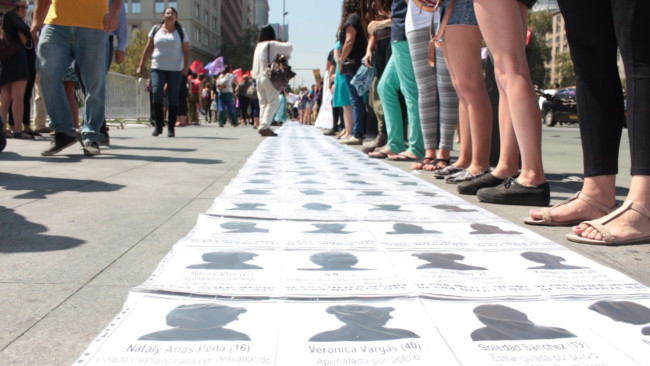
[[341, 273], [543, 333], [174, 330], [214, 231], [361, 332], [327, 235], [218, 272]]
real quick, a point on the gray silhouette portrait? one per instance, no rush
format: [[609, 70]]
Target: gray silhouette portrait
[[362, 324], [317, 206], [237, 227], [324, 228], [306, 173], [312, 192], [199, 322], [507, 324], [309, 181], [263, 173], [549, 261], [391, 208], [427, 194], [226, 260], [248, 207], [259, 181], [624, 311], [257, 192], [453, 208], [483, 229], [352, 174], [411, 229], [378, 168], [356, 181], [333, 261], [392, 175], [445, 261], [404, 183], [371, 193]]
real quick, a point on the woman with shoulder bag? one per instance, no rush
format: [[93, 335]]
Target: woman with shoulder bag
[[169, 49], [265, 52], [14, 73], [244, 100]]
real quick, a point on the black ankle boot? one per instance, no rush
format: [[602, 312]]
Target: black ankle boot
[[158, 111], [172, 111]]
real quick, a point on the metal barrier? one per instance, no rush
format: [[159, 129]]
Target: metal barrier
[[126, 98]]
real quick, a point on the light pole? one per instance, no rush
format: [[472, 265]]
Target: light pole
[[284, 24]]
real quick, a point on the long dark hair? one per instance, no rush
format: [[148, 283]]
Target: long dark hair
[[266, 34], [349, 7], [176, 23]]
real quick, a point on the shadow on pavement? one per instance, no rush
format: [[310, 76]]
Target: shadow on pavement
[[572, 183], [40, 187], [31, 240]]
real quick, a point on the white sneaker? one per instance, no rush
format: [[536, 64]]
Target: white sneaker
[[351, 140]]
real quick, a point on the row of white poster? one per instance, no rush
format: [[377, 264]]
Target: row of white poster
[[317, 255]]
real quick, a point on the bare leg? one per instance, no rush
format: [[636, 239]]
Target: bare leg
[[348, 119], [505, 38], [72, 101], [17, 105], [461, 49]]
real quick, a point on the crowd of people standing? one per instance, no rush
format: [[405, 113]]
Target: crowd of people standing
[[428, 68]]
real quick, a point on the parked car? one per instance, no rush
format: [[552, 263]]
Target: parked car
[[560, 107]]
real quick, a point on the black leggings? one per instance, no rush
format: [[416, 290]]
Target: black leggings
[[595, 30]]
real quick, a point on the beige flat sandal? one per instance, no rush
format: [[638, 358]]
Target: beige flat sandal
[[608, 238], [547, 220]]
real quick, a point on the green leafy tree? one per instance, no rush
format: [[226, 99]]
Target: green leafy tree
[[133, 55], [565, 67], [240, 55], [539, 53]]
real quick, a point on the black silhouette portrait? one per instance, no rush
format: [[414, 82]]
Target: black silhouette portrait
[[371, 193], [484, 229], [312, 192], [445, 261], [507, 324], [256, 191], [199, 322], [357, 182], [226, 260], [324, 228], [391, 208], [238, 227], [362, 323], [549, 261], [453, 208], [317, 206], [333, 261], [625, 312], [401, 228], [427, 194], [248, 207]]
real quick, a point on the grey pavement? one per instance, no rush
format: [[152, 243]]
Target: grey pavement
[[76, 232]]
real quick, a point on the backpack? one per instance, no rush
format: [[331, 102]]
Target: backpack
[[181, 33]]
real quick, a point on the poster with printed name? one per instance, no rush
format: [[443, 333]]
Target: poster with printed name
[[387, 333], [624, 323], [174, 330], [321, 209], [214, 231], [425, 196], [501, 235], [341, 273], [544, 333], [528, 274], [218, 272], [327, 234], [405, 212], [246, 209]]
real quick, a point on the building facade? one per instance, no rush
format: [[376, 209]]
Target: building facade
[[557, 41], [255, 13], [200, 19], [231, 20]]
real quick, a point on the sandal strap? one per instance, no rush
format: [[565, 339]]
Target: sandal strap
[[599, 224], [593, 202], [546, 212]]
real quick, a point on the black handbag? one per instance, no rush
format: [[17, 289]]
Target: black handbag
[[349, 67], [8, 46], [279, 71]]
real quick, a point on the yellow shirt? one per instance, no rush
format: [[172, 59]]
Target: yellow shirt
[[77, 13]]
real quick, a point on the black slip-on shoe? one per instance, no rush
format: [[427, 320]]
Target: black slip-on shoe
[[510, 192], [485, 181], [60, 142]]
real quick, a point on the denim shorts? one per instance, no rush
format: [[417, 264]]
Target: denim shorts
[[462, 13]]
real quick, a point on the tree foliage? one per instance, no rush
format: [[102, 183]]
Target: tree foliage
[[538, 50], [133, 55], [565, 67], [240, 55]]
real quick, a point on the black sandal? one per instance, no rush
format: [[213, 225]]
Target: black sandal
[[427, 160]]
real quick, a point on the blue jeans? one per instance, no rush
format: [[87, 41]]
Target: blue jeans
[[58, 46], [358, 109], [173, 80], [227, 103]]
